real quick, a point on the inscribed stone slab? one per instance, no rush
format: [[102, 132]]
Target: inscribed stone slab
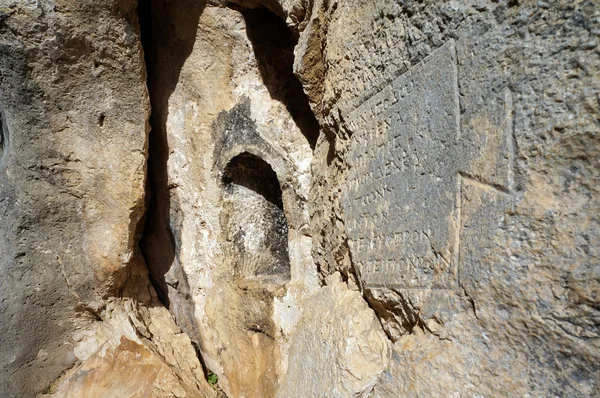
[[403, 196]]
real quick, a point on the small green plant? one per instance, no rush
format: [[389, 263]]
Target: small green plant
[[212, 378]]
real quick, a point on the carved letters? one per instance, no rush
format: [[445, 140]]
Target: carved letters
[[402, 202]]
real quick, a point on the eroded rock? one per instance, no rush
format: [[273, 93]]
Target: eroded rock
[[344, 198], [511, 304], [235, 132], [339, 348]]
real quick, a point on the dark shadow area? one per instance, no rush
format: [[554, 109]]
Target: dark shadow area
[[168, 34], [255, 174], [253, 218], [273, 44], [2, 133]]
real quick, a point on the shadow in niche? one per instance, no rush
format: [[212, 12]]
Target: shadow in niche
[[2, 134], [255, 174], [273, 44], [168, 36], [254, 220]]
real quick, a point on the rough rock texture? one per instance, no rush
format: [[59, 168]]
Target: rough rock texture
[[231, 140], [343, 198], [136, 351], [339, 348], [519, 315], [74, 110]]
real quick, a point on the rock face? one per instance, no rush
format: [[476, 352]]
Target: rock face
[[307, 198], [234, 130], [136, 350], [338, 349], [74, 111], [464, 140]]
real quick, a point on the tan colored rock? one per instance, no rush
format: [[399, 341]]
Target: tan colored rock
[[135, 351], [516, 314], [233, 139], [339, 348], [128, 370], [73, 117], [74, 110], [434, 234]]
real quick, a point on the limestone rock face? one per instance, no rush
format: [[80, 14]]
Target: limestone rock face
[[136, 351], [339, 349], [73, 107], [73, 117], [325, 198], [459, 194], [231, 155]]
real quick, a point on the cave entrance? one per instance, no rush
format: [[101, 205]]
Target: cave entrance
[[254, 219]]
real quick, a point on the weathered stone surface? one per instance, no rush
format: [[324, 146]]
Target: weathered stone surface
[[523, 156], [402, 204], [254, 221], [434, 234], [222, 90], [339, 349], [127, 370], [72, 173], [135, 352], [74, 110]]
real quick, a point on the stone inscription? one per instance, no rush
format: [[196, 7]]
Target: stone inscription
[[403, 197]]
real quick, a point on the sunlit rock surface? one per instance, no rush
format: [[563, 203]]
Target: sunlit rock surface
[[299, 198]]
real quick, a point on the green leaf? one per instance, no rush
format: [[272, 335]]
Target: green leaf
[[212, 378]]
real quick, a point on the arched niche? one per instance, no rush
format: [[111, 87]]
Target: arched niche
[[254, 220]]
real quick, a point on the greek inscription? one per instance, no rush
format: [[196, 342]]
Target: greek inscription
[[400, 203]]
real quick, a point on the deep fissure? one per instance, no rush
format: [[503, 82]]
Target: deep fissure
[[158, 242]]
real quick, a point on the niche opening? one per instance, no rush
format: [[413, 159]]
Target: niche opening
[[254, 220]]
